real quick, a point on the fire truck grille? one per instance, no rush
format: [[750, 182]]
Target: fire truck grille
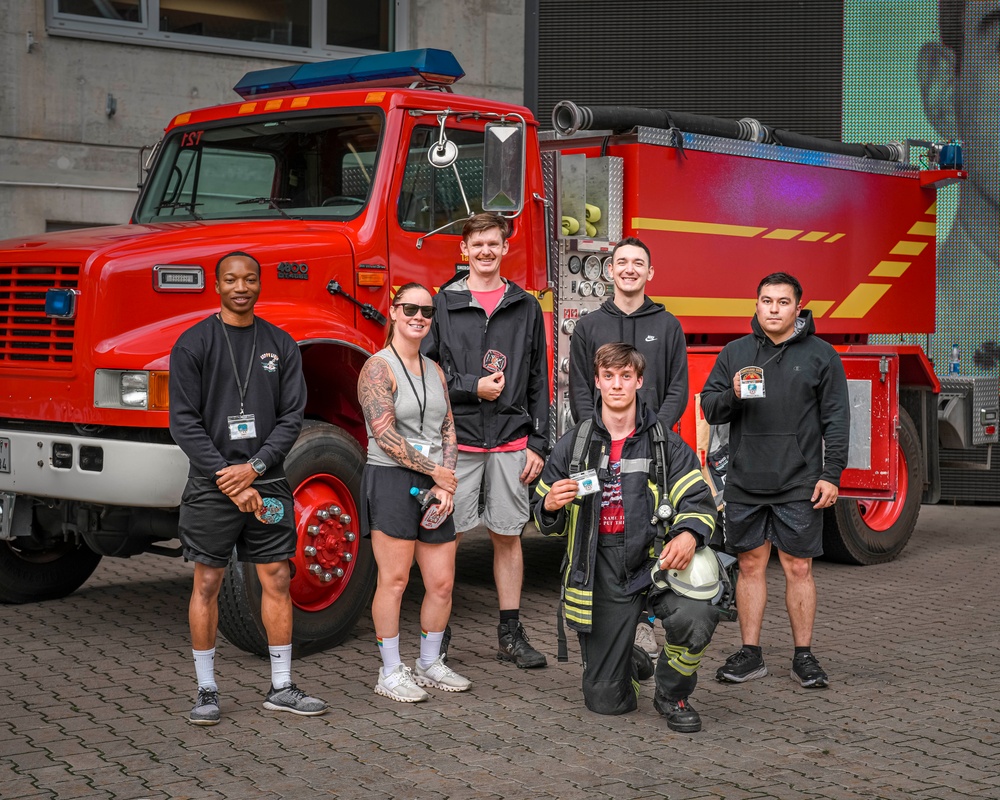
[[27, 336]]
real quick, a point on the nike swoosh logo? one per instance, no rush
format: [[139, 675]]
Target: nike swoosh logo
[[650, 338]]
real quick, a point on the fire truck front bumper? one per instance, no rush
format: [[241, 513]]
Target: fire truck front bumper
[[92, 470]]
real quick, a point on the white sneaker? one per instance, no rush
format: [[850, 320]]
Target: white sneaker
[[645, 639], [398, 685], [440, 676]]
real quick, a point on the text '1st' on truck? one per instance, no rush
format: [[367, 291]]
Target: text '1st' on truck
[[347, 178]]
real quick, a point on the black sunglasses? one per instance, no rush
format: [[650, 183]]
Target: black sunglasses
[[410, 309]]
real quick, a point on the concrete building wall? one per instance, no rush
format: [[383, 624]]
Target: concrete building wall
[[64, 159]]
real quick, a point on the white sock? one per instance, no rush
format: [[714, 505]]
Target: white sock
[[430, 647], [204, 666], [388, 648], [281, 665]]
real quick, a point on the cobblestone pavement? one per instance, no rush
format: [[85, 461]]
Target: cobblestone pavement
[[97, 686]]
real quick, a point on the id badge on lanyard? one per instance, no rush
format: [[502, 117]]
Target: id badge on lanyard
[[242, 426], [422, 446]]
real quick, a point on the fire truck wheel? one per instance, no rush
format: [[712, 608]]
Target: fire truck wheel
[[31, 571], [873, 532], [333, 571]]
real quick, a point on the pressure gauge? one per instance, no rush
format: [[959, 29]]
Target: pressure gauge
[[574, 265], [592, 268], [607, 269], [568, 326], [599, 289], [586, 288]]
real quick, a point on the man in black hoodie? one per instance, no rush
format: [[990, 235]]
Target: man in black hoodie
[[631, 317], [784, 394]]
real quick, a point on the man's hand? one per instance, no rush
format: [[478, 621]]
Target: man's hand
[[248, 500], [235, 478], [561, 494], [824, 495], [489, 388], [678, 552], [736, 384], [532, 467], [445, 478]]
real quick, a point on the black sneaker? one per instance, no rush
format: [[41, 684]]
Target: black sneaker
[[680, 714], [513, 646], [445, 641], [743, 665], [206, 710], [293, 699], [807, 671]]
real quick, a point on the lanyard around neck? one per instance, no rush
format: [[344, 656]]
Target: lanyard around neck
[[409, 380], [240, 387]]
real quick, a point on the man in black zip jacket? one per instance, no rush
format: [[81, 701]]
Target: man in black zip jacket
[[784, 394], [487, 334], [237, 396], [613, 542], [630, 316]]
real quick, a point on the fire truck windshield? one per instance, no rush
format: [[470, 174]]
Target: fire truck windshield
[[304, 167]]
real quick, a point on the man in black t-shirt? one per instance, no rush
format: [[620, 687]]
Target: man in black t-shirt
[[237, 397]]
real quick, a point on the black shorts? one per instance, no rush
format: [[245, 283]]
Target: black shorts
[[211, 525], [388, 507], [795, 528]]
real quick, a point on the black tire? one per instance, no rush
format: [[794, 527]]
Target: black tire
[[30, 571], [860, 532], [324, 461]]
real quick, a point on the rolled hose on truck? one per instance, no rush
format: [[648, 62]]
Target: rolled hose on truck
[[568, 118]]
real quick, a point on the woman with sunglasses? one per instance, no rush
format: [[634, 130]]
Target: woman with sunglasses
[[411, 444]]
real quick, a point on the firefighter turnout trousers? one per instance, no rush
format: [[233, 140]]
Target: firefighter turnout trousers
[[610, 685]]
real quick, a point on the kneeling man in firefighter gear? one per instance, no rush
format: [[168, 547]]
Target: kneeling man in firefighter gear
[[637, 514]]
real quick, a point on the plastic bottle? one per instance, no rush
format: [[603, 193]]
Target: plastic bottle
[[432, 508], [956, 357]]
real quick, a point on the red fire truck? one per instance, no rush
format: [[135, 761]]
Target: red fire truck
[[347, 178]]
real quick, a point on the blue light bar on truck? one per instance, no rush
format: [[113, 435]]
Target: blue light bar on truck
[[428, 66]]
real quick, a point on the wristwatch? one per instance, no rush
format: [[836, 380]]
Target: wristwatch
[[258, 466]]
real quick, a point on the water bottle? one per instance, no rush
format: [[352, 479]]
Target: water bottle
[[432, 508], [956, 356]]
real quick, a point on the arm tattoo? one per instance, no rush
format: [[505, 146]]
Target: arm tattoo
[[449, 442], [375, 394]]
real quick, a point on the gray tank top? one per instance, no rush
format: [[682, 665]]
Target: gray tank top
[[408, 398]]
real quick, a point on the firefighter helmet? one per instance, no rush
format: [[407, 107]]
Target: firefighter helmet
[[699, 579]]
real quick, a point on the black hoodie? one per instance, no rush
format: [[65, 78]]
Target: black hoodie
[[777, 441], [655, 333]]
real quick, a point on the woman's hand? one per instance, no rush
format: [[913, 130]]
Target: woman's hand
[[447, 499]]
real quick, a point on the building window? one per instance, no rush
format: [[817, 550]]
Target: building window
[[307, 29]]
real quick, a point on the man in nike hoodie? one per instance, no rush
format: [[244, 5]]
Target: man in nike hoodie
[[633, 318], [788, 444]]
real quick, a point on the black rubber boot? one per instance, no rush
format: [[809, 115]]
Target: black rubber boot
[[680, 715]]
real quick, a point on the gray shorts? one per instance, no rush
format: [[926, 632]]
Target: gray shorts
[[506, 497], [795, 528]]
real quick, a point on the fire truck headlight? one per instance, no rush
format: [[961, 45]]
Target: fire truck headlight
[[134, 389], [138, 389]]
